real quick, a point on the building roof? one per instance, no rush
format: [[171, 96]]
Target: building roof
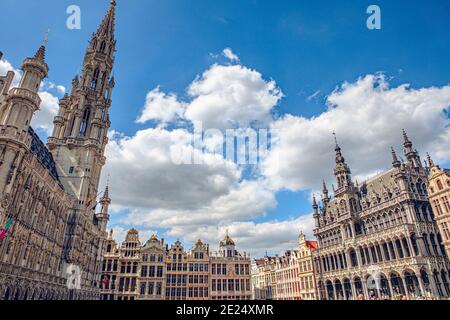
[[259, 262], [227, 241], [313, 245], [45, 158]]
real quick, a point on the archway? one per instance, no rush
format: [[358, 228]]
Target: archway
[[339, 290], [330, 290], [385, 292], [17, 295], [358, 286], [397, 284], [412, 284], [348, 289], [322, 291], [6, 294]]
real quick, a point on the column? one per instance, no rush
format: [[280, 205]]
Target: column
[[411, 247], [421, 285], [352, 286], [391, 291], [344, 291], [364, 285], [358, 257], [334, 291], [405, 286]]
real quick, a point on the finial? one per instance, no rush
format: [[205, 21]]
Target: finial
[[44, 43], [395, 161], [430, 161], [335, 139]]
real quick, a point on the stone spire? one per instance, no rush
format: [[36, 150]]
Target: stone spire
[[411, 154], [430, 161], [395, 162], [40, 54], [339, 157], [108, 24], [315, 207], [342, 171]]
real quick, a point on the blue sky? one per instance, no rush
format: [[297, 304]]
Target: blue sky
[[308, 48]]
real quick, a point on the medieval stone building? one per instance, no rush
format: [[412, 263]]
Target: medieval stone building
[[48, 194], [379, 239]]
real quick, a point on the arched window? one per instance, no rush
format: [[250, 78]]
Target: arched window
[[85, 122], [439, 184], [95, 79], [414, 245]]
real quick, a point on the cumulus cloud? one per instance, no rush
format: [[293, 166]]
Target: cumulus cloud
[[368, 116], [232, 96], [230, 55], [202, 201], [145, 175], [273, 237], [222, 97], [43, 119], [161, 107], [6, 66]]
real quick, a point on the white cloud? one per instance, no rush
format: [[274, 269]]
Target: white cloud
[[43, 119], [232, 96], [255, 238], [144, 175], [230, 55], [161, 107], [368, 117], [313, 96], [224, 96], [5, 66], [201, 201]]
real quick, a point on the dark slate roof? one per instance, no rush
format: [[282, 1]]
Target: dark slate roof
[[447, 171], [39, 149]]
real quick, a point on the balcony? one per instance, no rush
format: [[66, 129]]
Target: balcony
[[25, 94]]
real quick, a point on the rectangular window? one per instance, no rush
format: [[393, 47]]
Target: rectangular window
[[144, 271], [160, 272], [151, 287], [151, 273]]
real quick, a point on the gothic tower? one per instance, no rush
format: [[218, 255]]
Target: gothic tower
[[16, 111], [342, 173], [80, 129]]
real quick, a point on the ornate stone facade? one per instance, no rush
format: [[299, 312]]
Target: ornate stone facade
[[439, 191], [154, 271], [290, 277], [380, 240], [49, 195]]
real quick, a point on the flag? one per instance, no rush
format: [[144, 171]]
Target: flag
[[8, 224]]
